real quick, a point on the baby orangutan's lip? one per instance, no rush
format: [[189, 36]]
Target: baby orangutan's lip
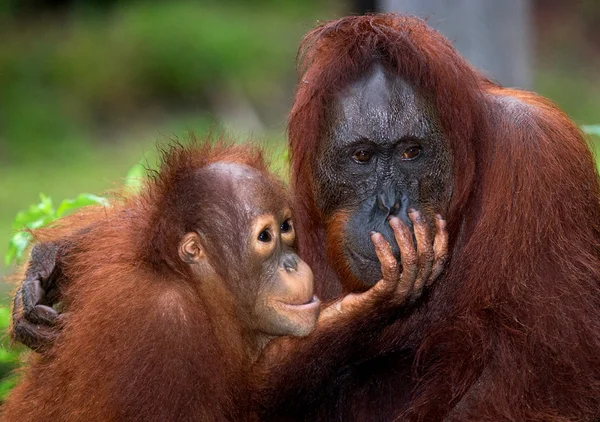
[[313, 304]]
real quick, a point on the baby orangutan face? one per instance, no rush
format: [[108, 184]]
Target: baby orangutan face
[[246, 239]]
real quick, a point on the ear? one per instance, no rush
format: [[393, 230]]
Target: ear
[[190, 248]]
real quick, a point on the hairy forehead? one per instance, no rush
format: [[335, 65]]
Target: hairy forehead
[[232, 171], [380, 107], [246, 187]]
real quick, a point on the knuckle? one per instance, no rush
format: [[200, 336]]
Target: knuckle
[[426, 255], [21, 332], [406, 246], [423, 239], [441, 240], [410, 259], [409, 276], [441, 258], [392, 270], [391, 266]]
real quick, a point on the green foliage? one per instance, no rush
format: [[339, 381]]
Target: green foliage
[[591, 129], [41, 214], [9, 357], [135, 178], [36, 216], [61, 80]]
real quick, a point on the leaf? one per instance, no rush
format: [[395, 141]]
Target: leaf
[[7, 356], [46, 204], [82, 200], [16, 247], [135, 178], [591, 129], [4, 317], [6, 385], [36, 215]]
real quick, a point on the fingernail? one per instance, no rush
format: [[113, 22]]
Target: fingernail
[[439, 217], [416, 216], [371, 233], [411, 210]]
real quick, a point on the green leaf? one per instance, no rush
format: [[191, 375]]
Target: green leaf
[[83, 200], [46, 204], [16, 247], [36, 215], [135, 178], [40, 215], [591, 129], [4, 317], [6, 385], [8, 356]]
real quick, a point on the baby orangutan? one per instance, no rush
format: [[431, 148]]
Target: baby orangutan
[[173, 294]]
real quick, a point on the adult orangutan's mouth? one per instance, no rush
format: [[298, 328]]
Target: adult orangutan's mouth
[[367, 259], [361, 258]]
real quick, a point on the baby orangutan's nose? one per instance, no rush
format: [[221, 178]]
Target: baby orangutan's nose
[[289, 263]]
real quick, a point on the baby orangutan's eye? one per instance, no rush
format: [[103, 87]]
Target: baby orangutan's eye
[[264, 236], [286, 226]]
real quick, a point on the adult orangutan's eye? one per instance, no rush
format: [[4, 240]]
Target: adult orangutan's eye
[[411, 153], [286, 226], [264, 236], [362, 156]]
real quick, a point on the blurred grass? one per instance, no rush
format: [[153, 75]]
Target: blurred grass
[[90, 168], [578, 96], [84, 96], [58, 80]]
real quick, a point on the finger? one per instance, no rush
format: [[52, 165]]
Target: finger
[[440, 249], [408, 254], [389, 264], [329, 312], [37, 338], [17, 310], [32, 293], [425, 253], [42, 263]]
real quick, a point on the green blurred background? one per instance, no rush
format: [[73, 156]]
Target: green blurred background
[[87, 87]]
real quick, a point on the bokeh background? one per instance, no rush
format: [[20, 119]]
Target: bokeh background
[[87, 87]]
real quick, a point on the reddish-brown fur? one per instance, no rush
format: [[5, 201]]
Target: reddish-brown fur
[[511, 331], [138, 341]]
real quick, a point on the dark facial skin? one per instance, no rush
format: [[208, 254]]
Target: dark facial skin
[[384, 155], [272, 288]]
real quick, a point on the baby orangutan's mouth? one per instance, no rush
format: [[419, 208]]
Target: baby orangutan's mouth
[[313, 303]]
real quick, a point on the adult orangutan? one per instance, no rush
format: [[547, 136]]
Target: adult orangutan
[[388, 117]]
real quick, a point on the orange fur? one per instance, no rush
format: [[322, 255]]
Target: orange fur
[[511, 331], [141, 339]]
